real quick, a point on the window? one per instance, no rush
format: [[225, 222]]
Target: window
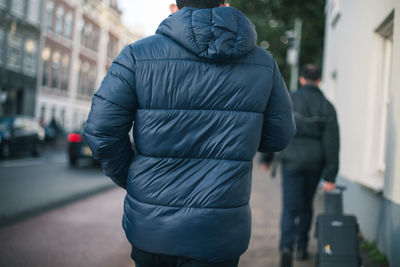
[[87, 34], [75, 121], [49, 15], [30, 57], [46, 59], [378, 129], [2, 44], [385, 30], [114, 5], [53, 112], [59, 20], [45, 80], [68, 25], [19, 124], [62, 118], [83, 78], [90, 35], [55, 70], [112, 49], [65, 73], [14, 54], [3, 3], [95, 39], [18, 7], [34, 11], [92, 81]]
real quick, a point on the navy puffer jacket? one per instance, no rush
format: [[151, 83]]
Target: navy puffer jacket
[[203, 98]]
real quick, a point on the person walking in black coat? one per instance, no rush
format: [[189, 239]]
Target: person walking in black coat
[[312, 155]]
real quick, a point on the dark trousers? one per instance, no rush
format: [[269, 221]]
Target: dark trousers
[[146, 259], [298, 188]]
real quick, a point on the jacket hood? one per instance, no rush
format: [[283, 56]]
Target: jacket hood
[[217, 33]]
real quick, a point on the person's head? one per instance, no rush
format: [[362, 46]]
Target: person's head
[[310, 74], [196, 4]]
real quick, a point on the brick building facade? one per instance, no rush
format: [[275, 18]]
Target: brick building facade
[[19, 47], [79, 41]]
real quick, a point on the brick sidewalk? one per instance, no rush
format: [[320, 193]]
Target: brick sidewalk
[[266, 208]]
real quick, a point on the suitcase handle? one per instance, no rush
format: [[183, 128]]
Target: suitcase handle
[[333, 201], [339, 189]]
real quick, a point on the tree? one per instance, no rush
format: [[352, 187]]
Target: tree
[[272, 18]]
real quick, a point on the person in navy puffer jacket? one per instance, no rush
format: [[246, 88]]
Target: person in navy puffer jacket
[[203, 98]]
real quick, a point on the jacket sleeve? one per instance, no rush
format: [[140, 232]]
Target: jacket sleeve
[[110, 119], [278, 126], [267, 157], [331, 145]]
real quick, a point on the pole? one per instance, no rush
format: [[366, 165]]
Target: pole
[[294, 73]]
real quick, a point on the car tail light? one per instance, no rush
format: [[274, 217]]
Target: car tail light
[[74, 138]]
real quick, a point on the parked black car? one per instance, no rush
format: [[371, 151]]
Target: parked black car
[[77, 148], [20, 134]]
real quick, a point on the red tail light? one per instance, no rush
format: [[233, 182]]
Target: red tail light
[[74, 138]]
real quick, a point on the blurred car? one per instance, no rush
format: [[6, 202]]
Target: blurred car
[[77, 147], [19, 134]]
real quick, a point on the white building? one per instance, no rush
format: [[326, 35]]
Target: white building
[[362, 76], [80, 39]]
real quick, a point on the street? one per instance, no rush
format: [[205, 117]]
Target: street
[[33, 185], [88, 232]]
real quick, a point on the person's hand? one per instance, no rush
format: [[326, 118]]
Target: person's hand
[[266, 167], [328, 187]]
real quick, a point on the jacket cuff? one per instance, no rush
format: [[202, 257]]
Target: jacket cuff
[[330, 179], [119, 181], [267, 157]]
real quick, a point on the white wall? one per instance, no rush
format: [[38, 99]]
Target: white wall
[[353, 53], [392, 185]]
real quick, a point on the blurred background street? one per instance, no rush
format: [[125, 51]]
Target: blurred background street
[[56, 206]]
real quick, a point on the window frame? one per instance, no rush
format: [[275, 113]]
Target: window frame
[[34, 5], [59, 23], [3, 39], [19, 54], [3, 4], [68, 24], [50, 15], [19, 13], [46, 55], [65, 71], [377, 129], [55, 70], [30, 57]]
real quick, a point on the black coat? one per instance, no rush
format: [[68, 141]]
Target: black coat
[[316, 143]]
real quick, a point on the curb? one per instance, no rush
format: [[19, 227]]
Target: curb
[[6, 221]]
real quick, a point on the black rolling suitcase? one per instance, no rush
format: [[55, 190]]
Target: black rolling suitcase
[[337, 235]]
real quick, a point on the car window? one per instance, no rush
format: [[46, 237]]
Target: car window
[[5, 124], [28, 126], [19, 124], [34, 125]]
